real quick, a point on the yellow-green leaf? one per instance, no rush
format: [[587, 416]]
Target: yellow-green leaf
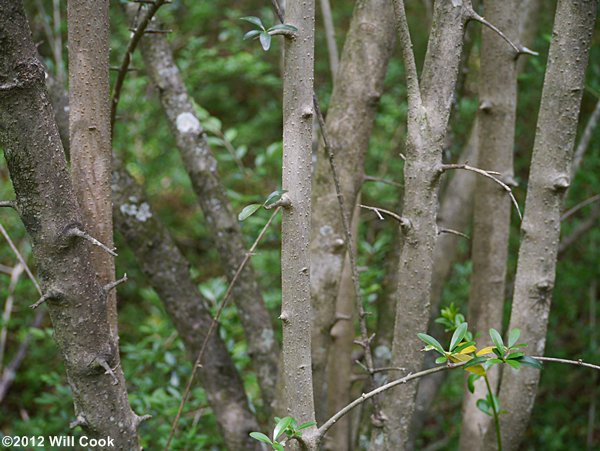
[[484, 351]]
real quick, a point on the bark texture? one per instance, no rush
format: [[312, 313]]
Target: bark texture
[[350, 117], [75, 298], [298, 112], [428, 113], [492, 209], [548, 179], [222, 222], [89, 131], [168, 273]]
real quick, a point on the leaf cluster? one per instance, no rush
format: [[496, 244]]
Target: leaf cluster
[[287, 426], [264, 34]]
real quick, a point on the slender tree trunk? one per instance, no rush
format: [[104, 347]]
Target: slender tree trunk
[[168, 273], [340, 365], [350, 117], [89, 131], [76, 299], [330, 37], [222, 222], [429, 109], [298, 111], [491, 220], [548, 179]]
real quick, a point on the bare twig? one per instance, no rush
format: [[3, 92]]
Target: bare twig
[[378, 211], [519, 49], [369, 178], [330, 37], [578, 362], [489, 174], [452, 232], [586, 137], [581, 229], [41, 300], [327, 425], [213, 325], [579, 206], [10, 372], [21, 259], [81, 234], [111, 285], [133, 42], [14, 279]]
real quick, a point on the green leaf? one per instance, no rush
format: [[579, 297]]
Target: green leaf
[[520, 345], [471, 382], [253, 20], [248, 211], [515, 355], [441, 359], [428, 339], [274, 197], [251, 34], [497, 352], [278, 446], [283, 26], [492, 361], [261, 437], [530, 361], [265, 40], [308, 424], [475, 361], [484, 406], [497, 339], [513, 336], [515, 364], [458, 335], [465, 345], [281, 426]]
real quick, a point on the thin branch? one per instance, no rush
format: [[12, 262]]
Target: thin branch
[[578, 362], [21, 259], [581, 229], [8, 307], [489, 174], [213, 325], [586, 137], [327, 425], [519, 49], [579, 206], [330, 37], [108, 370], [403, 221], [369, 178], [452, 232], [388, 368], [111, 285], [81, 234], [10, 372], [408, 56], [41, 300], [133, 42]]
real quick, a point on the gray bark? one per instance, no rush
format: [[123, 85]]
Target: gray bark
[[334, 58], [429, 109], [492, 209], [298, 112], [46, 202], [222, 222], [168, 273], [350, 117], [89, 130], [548, 179]]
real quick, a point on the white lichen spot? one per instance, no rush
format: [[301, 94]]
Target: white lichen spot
[[267, 339], [141, 213], [187, 123], [326, 230]]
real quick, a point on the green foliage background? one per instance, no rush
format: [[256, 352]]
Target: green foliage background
[[237, 88]]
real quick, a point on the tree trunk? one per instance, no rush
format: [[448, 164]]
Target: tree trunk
[[76, 299], [89, 131], [429, 109], [350, 117], [492, 209], [548, 179], [298, 111], [221, 221]]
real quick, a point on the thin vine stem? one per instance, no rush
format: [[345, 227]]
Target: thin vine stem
[[496, 419]]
